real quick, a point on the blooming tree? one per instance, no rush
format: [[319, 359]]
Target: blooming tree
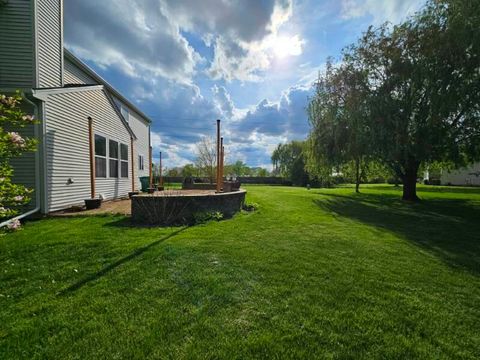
[[12, 144]]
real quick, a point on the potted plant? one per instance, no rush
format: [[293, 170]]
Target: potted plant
[[93, 203]]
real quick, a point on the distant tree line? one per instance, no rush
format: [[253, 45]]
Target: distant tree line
[[205, 165], [403, 98]]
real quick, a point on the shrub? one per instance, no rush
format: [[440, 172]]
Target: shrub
[[206, 216], [12, 144], [250, 206]]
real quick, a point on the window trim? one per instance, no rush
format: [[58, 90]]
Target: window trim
[[110, 158], [123, 161], [100, 156], [141, 162], [107, 157]]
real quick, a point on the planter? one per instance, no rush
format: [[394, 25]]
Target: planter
[[160, 188], [131, 193], [92, 203], [151, 190]]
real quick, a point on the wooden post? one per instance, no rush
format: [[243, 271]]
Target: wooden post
[[133, 163], [160, 170], [221, 164], [218, 156], [150, 167], [92, 157]]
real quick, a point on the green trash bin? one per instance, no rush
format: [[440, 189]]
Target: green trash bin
[[145, 181]]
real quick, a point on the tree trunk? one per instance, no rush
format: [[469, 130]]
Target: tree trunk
[[357, 175], [410, 182]]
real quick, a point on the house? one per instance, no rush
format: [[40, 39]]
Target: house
[[467, 176], [65, 93]]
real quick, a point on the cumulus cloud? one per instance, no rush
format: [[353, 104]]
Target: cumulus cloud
[[182, 116], [144, 37], [287, 117], [381, 10], [134, 36], [223, 101]]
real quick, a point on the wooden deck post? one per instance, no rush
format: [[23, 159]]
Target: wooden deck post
[[218, 156], [150, 167], [221, 163], [133, 163], [160, 170], [92, 157]]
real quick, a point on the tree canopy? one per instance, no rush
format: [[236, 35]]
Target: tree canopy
[[406, 95]]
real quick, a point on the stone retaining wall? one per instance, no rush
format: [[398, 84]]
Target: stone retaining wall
[[181, 209]]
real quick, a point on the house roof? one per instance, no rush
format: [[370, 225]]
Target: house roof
[[68, 54], [43, 93]]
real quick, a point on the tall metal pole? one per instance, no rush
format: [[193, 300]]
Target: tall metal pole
[[218, 156], [92, 158]]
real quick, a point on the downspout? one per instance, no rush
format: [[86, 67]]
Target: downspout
[[37, 173], [133, 163]]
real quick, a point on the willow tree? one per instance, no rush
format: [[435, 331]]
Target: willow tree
[[338, 115], [421, 89], [424, 81], [289, 161]]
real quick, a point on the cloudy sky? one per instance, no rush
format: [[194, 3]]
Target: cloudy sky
[[251, 63]]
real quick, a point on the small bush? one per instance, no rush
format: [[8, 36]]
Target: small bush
[[203, 217], [250, 207]]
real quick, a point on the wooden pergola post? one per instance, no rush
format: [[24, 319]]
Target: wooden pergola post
[[92, 157], [133, 163], [160, 170], [150, 174], [221, 163], [218, 156]]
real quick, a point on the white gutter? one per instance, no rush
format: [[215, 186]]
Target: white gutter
[[37, 174]]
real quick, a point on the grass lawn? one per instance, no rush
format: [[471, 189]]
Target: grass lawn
[[323, 273]]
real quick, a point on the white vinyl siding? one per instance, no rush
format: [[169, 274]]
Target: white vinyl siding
[[72, 74], [50, 43], [16, 45], [467, 176], [68, 149], [141, 129]]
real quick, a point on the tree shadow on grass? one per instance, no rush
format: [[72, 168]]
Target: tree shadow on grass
[[448, 228], [430, 189], [137, 252]]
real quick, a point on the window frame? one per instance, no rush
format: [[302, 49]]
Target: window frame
[[141, 162], [104, 157], [110, 159], [123, 161]]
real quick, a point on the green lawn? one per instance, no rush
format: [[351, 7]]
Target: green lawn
[[323, 273]]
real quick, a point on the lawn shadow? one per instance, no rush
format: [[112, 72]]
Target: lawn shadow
[[430, 189], [448, 228], [137, 252]]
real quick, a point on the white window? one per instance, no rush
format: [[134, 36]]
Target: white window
[[113, 158], [124, 161], [100, 156], [141, 165]]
